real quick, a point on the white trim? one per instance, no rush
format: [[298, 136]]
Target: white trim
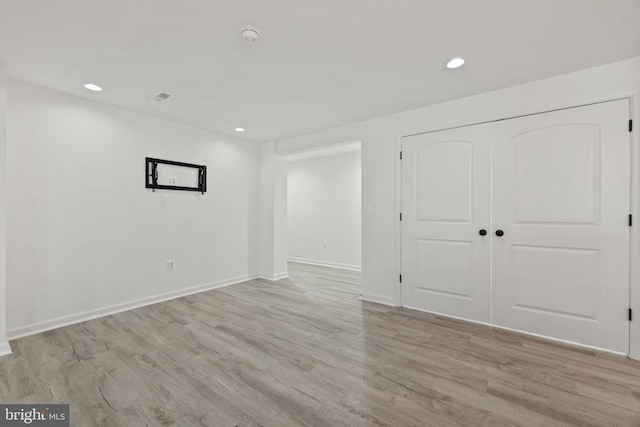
[[329, 264], [397, 288], [634, 285], [5, 348], [558, 340], [274, 277], [34, 328], [510, 114], [378, 299]]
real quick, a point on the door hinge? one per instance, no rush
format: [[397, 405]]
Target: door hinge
[[630, 125], [630, 315], [630, 220], [401, 155], [400, 216], [401, 278]]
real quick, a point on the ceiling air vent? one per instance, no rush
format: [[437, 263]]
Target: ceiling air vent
[[159, 97]]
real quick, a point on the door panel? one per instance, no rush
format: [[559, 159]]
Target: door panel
[[446, 181], [445, 267], [556, 280], [561, 188], [538, 162], [444, 172]]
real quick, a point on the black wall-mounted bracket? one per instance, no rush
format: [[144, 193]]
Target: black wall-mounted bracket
[[151, 175]]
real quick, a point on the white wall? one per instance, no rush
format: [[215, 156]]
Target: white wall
[[323, 207], [4, 346], [85, 236], [380, 164]]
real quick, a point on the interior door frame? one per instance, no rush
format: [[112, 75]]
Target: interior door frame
[[634, 136]]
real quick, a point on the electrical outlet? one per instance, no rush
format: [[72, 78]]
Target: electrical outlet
[[169, 264], [172, 180]]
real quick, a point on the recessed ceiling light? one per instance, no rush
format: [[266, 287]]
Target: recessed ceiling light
[[455, 63], [92, 87], [240, 129]]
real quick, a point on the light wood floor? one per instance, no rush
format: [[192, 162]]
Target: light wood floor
[[306, 351]]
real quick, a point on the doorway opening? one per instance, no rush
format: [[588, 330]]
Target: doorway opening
[[324, 211]]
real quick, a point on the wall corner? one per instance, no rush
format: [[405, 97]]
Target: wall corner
[[4, 346], [272, 232]]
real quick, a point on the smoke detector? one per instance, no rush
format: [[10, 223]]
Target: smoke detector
[[249, 34]]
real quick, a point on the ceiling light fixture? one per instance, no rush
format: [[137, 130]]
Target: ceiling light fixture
[[92, 87], [240, 129], [455, 63]]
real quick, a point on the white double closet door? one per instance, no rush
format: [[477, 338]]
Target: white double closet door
[[552, 193]]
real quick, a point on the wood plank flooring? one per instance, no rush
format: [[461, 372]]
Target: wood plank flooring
[[306, 351]]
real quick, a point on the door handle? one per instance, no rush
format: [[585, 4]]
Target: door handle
[[482, 232], [499, 233]]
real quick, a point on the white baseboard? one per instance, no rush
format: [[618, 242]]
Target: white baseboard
[[5, 348], [558, 340], [274, 277], [504, 328], [379, 299], [325, 263], [46, 325]]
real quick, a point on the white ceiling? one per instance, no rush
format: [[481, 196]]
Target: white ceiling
[[318, 64]]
